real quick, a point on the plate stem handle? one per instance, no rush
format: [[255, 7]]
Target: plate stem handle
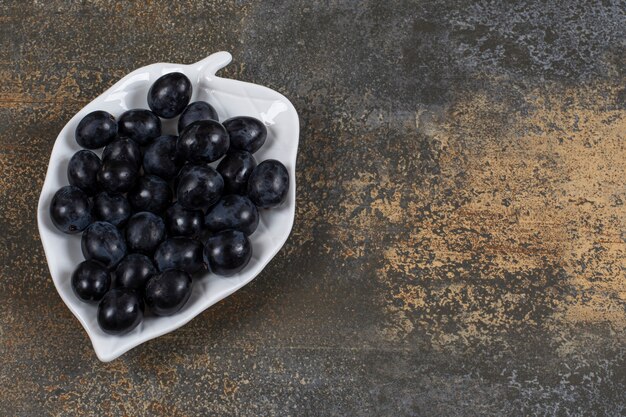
[[208, 66]]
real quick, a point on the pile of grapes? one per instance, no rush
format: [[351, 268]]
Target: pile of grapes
[[152, 211]]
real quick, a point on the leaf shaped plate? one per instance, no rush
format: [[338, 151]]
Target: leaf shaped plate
[[230, 98]]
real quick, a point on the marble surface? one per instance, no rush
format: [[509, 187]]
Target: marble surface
[[460, 237]]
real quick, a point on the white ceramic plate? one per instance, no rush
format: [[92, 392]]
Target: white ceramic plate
[[230, 98]]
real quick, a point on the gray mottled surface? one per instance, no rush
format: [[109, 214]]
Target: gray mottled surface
[[460, 241]]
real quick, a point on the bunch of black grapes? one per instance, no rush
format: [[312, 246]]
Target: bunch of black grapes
[[152, 212]]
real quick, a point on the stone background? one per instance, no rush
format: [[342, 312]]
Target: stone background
[[460, 238]]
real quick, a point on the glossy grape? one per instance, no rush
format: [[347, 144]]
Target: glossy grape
[[96, 130], [117, 176], [246, 133], [90, 281], [233, 212], [183, 222], [70, 209], [82, 171], [102, 242], [198, 110], [134, 271], [140, 125], [180, 253], [199, 187], [269, 183], [120, 311], [169, 95], [161, 159], [168, 292], [228, 252], [151, 193], [111, 208], [144, 232], [235, 169], [203, 141], [123, 149]]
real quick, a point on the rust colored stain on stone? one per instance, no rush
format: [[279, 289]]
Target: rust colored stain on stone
[[460, 237], [542, 191]]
